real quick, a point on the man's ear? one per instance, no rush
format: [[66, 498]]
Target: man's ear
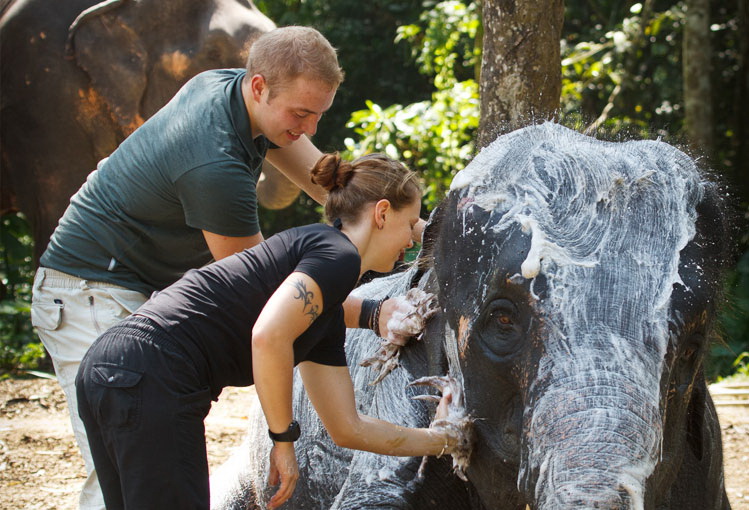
[[257, 87]]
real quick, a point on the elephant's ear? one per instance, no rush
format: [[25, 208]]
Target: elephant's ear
[[110, 51], [696, 416], [425, 259]]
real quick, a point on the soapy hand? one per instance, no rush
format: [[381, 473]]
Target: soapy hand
[[403, 317], [452, 418]]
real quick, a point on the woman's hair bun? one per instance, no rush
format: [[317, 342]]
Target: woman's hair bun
[[331, 172]]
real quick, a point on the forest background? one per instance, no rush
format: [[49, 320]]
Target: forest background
[[412, 91]]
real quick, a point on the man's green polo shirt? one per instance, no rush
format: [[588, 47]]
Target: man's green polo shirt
[[138, 220]]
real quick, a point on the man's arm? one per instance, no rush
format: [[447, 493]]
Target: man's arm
[[223, 246], [296, 162]]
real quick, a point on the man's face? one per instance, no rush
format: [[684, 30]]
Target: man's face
[[293, 111]]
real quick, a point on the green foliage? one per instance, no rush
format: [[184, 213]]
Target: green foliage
[[433, 136], [627, 75], [19, 348], [445, 47], [363, 34], [731, 353], [741, 364]]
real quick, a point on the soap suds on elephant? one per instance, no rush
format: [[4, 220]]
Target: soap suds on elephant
[[591, 206]]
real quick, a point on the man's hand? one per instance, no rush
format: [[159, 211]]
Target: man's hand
[[284, 469], [418, 231]]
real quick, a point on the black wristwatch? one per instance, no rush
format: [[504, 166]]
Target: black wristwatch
[[291, 434]]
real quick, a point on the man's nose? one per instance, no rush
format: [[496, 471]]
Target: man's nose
[[310, 124]]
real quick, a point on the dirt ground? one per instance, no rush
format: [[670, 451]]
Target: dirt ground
[[40, 467]]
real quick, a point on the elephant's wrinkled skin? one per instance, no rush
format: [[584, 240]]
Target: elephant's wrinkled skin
[[78, 77], [578, 283]]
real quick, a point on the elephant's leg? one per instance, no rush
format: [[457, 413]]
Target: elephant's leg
[[377, 482]]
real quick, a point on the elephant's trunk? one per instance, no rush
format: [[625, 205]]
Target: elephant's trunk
[[592, 440]]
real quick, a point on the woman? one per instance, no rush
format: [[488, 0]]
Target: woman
[[145, 385]]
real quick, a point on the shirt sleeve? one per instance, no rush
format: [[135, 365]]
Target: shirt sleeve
[[220, 198], [335, 269], [330, 349]]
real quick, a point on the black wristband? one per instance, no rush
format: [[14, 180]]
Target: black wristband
[[368, 307], [376, 318], [289, 436]]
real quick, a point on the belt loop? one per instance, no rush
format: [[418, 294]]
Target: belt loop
[[83, 284], [41, 274]]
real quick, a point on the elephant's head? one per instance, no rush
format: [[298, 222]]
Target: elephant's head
[[578, 280], [138, 53]]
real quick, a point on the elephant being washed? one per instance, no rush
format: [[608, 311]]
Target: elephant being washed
[[578, 282], [79, 76]]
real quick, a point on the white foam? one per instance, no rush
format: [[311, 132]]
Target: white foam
[[607, 222]]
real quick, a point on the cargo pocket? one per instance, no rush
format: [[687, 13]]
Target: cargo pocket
[[115, 395], [46, 315], [128, 300]]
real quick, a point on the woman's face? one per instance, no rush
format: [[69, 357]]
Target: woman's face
[[396, 235]]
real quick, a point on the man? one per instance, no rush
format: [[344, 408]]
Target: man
[[177, 193]]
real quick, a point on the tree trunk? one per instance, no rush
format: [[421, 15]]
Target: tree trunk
[[741, 166], [521, 77], [698, 105]]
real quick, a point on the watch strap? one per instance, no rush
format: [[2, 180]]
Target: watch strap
[[289, 436]]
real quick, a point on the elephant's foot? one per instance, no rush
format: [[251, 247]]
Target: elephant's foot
[[457, 424]]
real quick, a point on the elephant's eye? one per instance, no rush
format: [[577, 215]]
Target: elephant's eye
[[502, 312], [500, 329]]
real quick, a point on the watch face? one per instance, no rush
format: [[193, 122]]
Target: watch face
[[294, 430]]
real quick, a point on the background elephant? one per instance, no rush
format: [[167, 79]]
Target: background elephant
[[79, 76], [578, 281]]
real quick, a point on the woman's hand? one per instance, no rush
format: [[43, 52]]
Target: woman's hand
[[283, 468], [403, 317], [443, 409], [451, 419]]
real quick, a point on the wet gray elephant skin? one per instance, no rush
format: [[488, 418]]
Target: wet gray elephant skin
[[79, 76], [578, 282]]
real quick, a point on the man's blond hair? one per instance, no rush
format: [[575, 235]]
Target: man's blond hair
[[285, 53]]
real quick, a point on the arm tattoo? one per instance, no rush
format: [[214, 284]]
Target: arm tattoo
[[306, 297]]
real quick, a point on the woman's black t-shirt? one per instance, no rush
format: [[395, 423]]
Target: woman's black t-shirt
[[211, 311]]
